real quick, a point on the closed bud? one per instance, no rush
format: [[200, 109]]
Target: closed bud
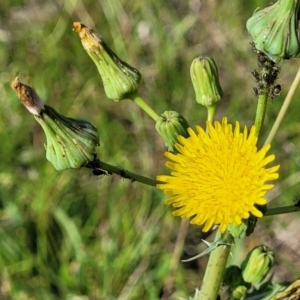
[[119, 78], [170, 125], [239, 293], [205, 79], [71, 142], [257, 264], [275, 31]]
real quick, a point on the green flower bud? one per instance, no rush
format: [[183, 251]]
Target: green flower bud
[[71, 142], [257, 264], [275, 31], [170, 125], [239, 293], [233, 276], [119, 78], [205, 79]]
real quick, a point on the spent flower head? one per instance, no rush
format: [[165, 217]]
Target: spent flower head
[[119, 78], [71, 143], [28, 96], [275, 30], [218, 177]]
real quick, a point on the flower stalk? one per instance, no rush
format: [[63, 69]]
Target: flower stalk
[[211, 111], [99, 167], [261, 111], [215, 270], [266, 87], [144, 106], [282, 210]]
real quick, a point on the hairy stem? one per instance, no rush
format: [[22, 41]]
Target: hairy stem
[[215, 270]]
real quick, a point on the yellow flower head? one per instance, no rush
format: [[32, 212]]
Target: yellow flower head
[[218, 177]]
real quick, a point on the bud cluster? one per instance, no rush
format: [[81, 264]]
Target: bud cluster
[[253, 270]]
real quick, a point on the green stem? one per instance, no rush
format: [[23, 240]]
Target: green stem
[[110, 169], [284, 108], [145, 107], [211, 110], [260, 112], [215, 270], [282, 210]]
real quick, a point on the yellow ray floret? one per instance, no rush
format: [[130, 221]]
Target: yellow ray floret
[[218, 177]]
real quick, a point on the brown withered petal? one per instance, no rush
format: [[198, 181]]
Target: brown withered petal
[[28, 96]]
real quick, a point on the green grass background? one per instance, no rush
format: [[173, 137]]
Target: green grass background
[[71, 235]]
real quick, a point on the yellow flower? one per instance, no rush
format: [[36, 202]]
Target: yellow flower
[[218, 177]]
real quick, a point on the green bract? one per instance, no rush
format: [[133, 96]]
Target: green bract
[[170, 125], [119, 78], [205, 79], [257, 264], [275, 31], [71, 142], [244, 229]]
